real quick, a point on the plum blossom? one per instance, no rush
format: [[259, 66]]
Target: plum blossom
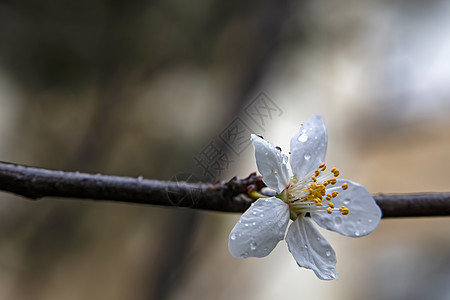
[[338, 205]]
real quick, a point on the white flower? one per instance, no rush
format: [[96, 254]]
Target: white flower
[[335, 204]]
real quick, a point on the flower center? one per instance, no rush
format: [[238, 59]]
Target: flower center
[[310, 193]]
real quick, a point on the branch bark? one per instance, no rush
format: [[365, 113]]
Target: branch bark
[[231, 196]]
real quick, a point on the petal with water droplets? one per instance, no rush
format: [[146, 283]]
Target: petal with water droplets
[[259, 229], [308, 147], [310, 249], [364, 213], [271, 163]]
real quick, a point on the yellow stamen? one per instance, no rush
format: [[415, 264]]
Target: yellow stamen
[[345, 186], [321, 165], [344, 210], [332, 181], [329, 210], [314, 178], [334, 194], [330, 204], [316, 172]]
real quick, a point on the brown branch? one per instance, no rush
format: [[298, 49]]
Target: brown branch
[[231, 196]]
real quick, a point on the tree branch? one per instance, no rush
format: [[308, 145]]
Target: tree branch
[[231, 196]]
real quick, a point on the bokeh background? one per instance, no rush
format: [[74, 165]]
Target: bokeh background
[[138, 88]]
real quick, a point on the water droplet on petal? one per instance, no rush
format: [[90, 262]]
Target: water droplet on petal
[[318, 238], [306, 246], [233, 237], [262, 215], [254, 223], [254, 213], [303, 138], [346, 201], [370, 220], [357, 233], [310, 128], [246, 224], [303, 130], [328, 253], [307, 156], [253, 246]]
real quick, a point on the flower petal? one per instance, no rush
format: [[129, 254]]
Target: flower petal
[[310, 249], [308, 147], [364, 213], [259, 229], [272, 164]]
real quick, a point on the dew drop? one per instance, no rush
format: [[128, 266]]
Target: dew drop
[[266, 249], [338, 220], [303, 130], [370, 220], [306, 246], [307, 156], [233, 237], [328, 253], [246, 224], [254, 223], [303, 138], [310, 128], [346, 201], [357, 233], [261, 215], [253, 246], [254, 213], [316, 137], [318, 238]]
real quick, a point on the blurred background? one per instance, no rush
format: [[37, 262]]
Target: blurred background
[[140, 88]]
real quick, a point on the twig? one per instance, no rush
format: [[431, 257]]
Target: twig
[[231, 196]]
